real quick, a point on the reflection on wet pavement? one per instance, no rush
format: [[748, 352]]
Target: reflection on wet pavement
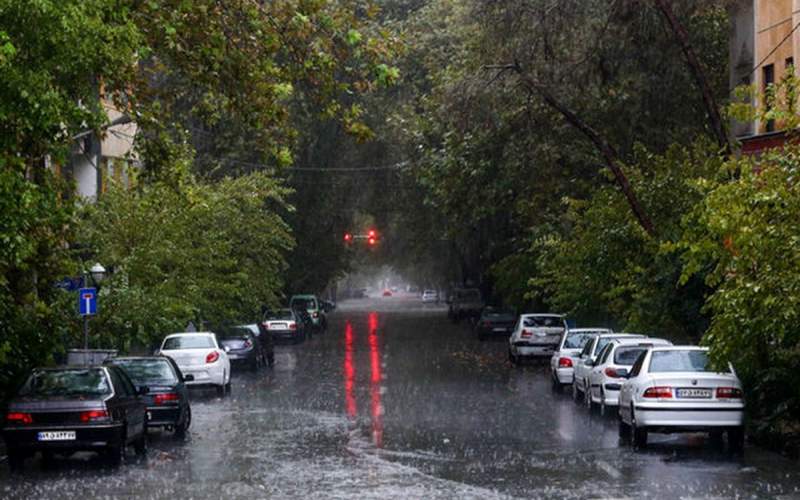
[[396, 402]]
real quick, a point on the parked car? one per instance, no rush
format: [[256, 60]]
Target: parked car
[[611, 369], [430, 296], [166, 396], [284, 324], [243, 348], [495, 321], [674, 389], [562, 363], [583, 365], [535, 335], [68, 409], [199, 354], [464, 303], [311, 304], [267, 345]]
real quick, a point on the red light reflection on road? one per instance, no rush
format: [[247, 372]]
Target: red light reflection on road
[[349, 371], [376, 408]]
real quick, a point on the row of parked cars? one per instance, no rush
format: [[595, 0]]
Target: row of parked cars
[[108, 407], [651, 384]]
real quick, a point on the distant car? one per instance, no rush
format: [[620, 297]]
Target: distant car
[[387, 293], [311, 304], [495, 321], [611, 369], [562, 363], [166, 396], [674, 389], [243, 348], [199, 354], [535, 335], [583, 365], [266, 345], [464, 303], [68, 409], [285, 324], [429, 296]]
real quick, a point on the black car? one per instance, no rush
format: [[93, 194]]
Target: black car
[[167, 397], [293, 325], [243, 348], [68, 409], [495, 321]]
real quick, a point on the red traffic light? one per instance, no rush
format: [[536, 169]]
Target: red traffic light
[[371, 234], [348, 238], [371, 240]]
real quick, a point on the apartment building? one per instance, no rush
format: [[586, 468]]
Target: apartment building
[[763, 43]]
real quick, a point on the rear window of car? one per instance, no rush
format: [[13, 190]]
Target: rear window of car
[[282, 315], [577, 340], [189, 342], [544, 321], [77, 382], [679, 361], [304, 303], [627, 356], [147, 371], [499, 314]]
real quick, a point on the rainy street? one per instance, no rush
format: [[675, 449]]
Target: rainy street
[[394, 401]]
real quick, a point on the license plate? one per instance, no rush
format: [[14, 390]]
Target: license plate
[[694, 393], [56, 436]]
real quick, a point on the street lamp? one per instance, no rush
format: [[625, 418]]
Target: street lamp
[[98, 273]]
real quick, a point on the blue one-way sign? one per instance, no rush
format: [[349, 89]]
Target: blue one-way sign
[[87, 301]]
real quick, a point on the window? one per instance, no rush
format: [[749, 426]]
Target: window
[[544, 322], [120, 387], [626, 356], [577, 340], [189, 342], [769, 79], [604, 354], [679, 361], [148, 371], [637, 366], [77, 382], [587, 349]]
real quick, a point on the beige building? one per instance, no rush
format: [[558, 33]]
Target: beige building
[[764, 40]]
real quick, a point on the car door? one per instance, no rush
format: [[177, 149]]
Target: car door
[[133, 411], [580, 366], [596, 373], [629, 386], [180, 387]]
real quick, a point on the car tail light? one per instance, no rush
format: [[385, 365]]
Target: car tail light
[[212, 357], [95, 416], [292, 326], [16, 417], [729, 393], [658, 392], [168, 397], [526, 334], [564, 363], [611, 372]]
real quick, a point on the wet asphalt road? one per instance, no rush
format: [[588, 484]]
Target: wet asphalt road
[[395, 402]]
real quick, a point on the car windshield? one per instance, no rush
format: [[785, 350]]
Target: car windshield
[[189, 342], [679, 361], [147, 371], [304, 303], [76, 382], [282, 315], [627, 356], [544, 321], [577, 340]]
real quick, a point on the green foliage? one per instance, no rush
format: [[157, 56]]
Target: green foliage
[[201, 252], [744, 233]]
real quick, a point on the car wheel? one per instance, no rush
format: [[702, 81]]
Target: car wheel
[[116, 453], [639, 433], [623, 428], [603, 407], [180, 430], [587, 398], [736, 439], [16, 459], [575, 393], [140, 445], [221, 390]]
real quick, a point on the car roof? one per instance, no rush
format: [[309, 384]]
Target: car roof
[[590, 330], [188, 334], [545, 315], [135, 358], [681, 348], [647, 341], [66, 367], [623, 335]]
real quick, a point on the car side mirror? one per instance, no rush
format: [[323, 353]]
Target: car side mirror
[[143, 390], [188, 378]]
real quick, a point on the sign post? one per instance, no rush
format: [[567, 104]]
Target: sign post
[[87, 306]]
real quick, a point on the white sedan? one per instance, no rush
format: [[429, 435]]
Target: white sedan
[[611, 369], [199, 354], [673, 389], [562, 364], [535, 335], [583, 365]]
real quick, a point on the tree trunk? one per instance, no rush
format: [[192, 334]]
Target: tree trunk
[[608, 152], [682, 36]]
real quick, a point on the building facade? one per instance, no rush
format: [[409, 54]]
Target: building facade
[[763, 43]]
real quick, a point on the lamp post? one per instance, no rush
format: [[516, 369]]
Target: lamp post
[[97, 272]]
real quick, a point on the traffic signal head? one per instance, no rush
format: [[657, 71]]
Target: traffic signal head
[[371, 241], [371, 234], [348, 238]]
